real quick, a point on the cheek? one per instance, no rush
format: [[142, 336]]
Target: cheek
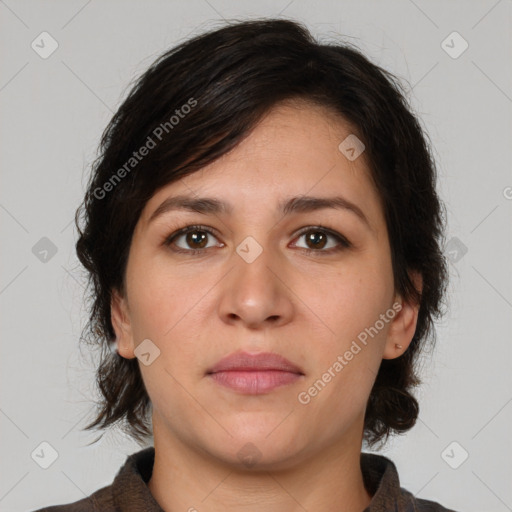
[[347, 302], [168, 308], [159, 295], [350, 337], [156, 307]]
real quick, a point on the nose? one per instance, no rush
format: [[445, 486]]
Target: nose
[[256, 294]]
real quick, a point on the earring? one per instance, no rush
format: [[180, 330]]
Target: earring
[[398, 346]]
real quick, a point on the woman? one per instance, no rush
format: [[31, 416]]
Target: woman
[[263, 237]]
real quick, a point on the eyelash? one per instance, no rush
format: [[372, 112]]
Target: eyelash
[[344, 243]]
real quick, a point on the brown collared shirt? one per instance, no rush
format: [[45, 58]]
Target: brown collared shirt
[[129, 491]]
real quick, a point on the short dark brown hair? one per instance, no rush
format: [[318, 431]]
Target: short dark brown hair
[[202, 98]]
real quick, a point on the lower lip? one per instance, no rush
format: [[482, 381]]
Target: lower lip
[[255, 382]]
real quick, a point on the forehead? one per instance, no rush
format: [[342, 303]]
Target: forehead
[[294, 130], [294, 150]]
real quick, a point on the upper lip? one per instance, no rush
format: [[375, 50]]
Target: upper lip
[[243, 361]]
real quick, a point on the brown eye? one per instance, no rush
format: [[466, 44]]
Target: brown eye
[[192, 239], [322, 240], [195, 240], [316, 240]]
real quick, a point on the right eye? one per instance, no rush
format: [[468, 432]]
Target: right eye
[[194, 237]]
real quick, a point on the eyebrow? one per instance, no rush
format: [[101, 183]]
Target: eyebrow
[[298, 204]]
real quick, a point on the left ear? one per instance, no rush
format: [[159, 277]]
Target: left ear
[[402, 327]]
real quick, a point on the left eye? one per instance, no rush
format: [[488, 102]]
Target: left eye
[[317, 239]]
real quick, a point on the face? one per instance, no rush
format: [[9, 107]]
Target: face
[[312, 283]]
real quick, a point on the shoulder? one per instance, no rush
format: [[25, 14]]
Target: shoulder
[[381, 480], [413, 504], [127, 492], [421, 505]]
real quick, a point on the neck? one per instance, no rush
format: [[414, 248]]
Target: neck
[[185, 479]]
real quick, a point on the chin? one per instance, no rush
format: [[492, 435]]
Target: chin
[[262, 449]]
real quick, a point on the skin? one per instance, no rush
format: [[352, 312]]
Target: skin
[[307, 307]]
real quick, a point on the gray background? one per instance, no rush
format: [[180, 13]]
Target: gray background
[[53, 111]]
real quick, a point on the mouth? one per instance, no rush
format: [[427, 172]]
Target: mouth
[[254, 374]]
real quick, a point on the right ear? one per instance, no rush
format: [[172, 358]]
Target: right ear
[[120, 317]]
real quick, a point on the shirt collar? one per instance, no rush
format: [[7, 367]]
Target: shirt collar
[[129, 489], [131, 493]]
